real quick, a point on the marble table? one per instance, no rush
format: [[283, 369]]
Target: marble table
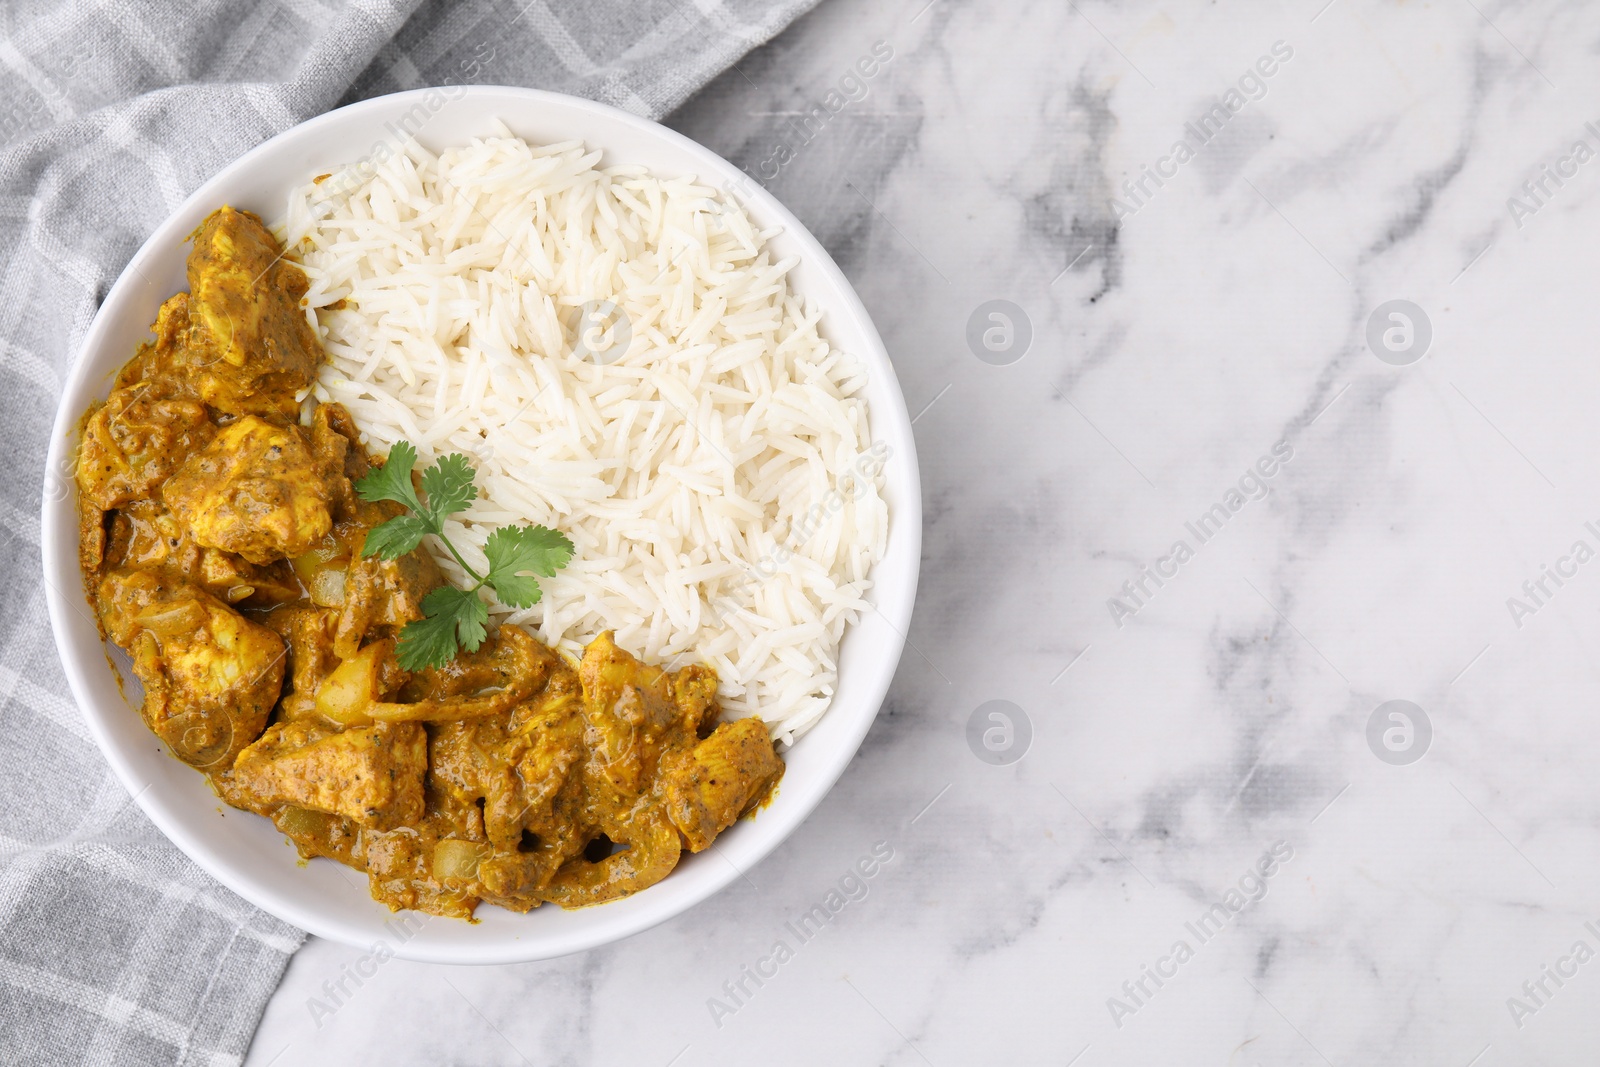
[[1250, 348]]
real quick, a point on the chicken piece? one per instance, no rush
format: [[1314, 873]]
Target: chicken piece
[[336, 442], [520, 877], [144, 535], [316, 833], [523, 771], [134, 441], [256, 490], [535, 824], [459, 757], [383, 592], [652, 848], [528, 776], [632, 711], [704, 789], [608, 828], [513, 880], [308, 633], [514, 776], [377, 592], [371, 775], [547, 707], [255, 349], [694, 691], [210, 677]]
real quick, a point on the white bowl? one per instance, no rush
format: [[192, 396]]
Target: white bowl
[[245, 852]]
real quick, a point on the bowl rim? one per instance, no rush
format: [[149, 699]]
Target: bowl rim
[[59, 535]]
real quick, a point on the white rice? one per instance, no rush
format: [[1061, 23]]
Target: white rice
[[718, 478]]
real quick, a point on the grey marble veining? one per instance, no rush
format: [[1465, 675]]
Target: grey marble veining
[[1208, 853]]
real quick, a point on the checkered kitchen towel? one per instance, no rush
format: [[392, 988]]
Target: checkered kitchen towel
[[114, 949]]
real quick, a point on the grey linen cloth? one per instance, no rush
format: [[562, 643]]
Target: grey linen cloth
[[114, 948]]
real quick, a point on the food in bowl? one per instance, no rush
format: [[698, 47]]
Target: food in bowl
[[620, 358], [232, 543]]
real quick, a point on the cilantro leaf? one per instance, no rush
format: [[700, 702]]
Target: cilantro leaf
[[448, 484], [450, 615], [392, 481], [453, 618], [393, 539], [513, 549]]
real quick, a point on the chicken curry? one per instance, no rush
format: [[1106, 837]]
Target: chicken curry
[[221, 545]]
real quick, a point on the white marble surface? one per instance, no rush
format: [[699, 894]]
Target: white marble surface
[[1229, 712]]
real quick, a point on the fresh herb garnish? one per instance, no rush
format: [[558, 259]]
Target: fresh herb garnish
[[454, 617]]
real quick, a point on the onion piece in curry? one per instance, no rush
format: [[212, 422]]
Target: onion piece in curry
[[220, 541]]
